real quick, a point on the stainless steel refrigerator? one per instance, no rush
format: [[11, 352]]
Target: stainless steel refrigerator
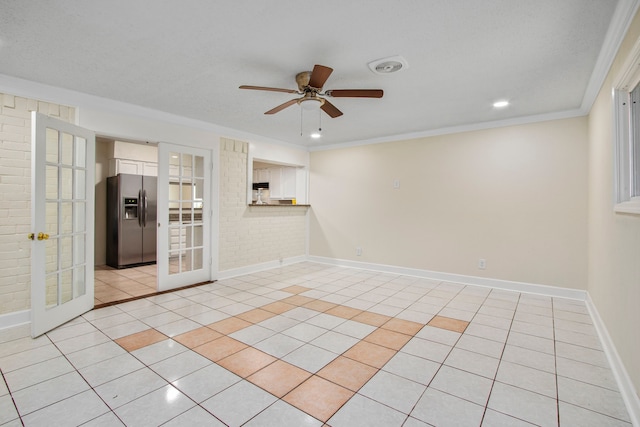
[[131, 220]]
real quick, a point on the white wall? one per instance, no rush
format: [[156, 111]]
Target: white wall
[[514, 196], [614, 239]]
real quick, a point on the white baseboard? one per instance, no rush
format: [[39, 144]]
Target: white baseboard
[[16, 318], [629, 395], [530, 288], [255, 268]]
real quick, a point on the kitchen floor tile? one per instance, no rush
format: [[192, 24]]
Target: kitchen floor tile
[[45, 393], [246, 361], [576, 416], [370, 354], [281, 414], [154, 408], [362, 411], [403, 326], [204, 383], [239, 403], [348, 373], [427, 349], [523, 404], [279, 345], [141, 339], [310, 358], [442, 409], [256, 315], [229, 325], [220, 348], [475, 363], [594, 398], [387, 338], [197, 337], [195, 416], [318, 397], [279, 378], [405, 392], [372, 319], [527, 378], [124, 389], [412, 367], [74, 410], [180, 365], [462, 384]]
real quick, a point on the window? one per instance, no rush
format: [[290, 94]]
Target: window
[[627, 138]]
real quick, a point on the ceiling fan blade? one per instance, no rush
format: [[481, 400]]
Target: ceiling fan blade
[[331, 109], [282, 106], [271, 89], [319, 75], [355, 93]]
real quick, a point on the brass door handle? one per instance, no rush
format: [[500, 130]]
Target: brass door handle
[[31, 236], [43, 236]]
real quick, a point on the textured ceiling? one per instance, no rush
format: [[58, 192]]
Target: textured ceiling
[[189, 57]]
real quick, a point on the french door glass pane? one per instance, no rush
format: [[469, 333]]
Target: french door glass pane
[[66, 222], [185, 198]]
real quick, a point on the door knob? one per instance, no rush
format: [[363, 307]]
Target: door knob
[[31, 236], [43, 236]]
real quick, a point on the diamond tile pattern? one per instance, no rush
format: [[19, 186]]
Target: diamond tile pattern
[[311, 344]]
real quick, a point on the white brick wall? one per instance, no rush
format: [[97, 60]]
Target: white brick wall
[[253, 235], [15, 196]]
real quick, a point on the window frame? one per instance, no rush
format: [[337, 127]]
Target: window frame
[[627, 137]]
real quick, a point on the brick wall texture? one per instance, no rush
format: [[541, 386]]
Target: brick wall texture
[[15, 196], [253, 235]]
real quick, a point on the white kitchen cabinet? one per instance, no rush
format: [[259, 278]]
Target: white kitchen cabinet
[[289, 183], [282, 183], [133, 167], [261, 175], [275, 183]]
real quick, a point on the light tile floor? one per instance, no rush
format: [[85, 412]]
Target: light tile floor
[[112, 284], [313, 345]]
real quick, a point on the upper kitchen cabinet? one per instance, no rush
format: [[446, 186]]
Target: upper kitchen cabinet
[[282, 183], [131, 158], [133, 167], [261, 175]]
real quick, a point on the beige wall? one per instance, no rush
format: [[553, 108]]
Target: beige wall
[[614, 239], [514, 196], [253, 235], [15, 194]]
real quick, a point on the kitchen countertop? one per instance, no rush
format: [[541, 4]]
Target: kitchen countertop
[[278, 205]]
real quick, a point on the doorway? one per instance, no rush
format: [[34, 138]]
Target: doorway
[[115, 156]]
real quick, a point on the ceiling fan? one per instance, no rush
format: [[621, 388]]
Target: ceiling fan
[[310, 87]]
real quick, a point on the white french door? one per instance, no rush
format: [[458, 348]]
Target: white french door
[[62, 217], [184, 216]]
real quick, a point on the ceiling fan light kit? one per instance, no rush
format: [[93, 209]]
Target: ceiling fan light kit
[[310, 85]]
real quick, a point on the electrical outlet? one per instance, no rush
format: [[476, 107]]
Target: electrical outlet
[[358, 251], [482, 263]]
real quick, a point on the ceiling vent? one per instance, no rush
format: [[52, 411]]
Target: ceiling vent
[[388, 65]]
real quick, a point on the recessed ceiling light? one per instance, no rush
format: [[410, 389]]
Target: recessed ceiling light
[[501, 104], [315, 135]]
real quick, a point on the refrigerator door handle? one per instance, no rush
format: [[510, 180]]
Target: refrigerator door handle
[[140, 208], [146, 205]]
